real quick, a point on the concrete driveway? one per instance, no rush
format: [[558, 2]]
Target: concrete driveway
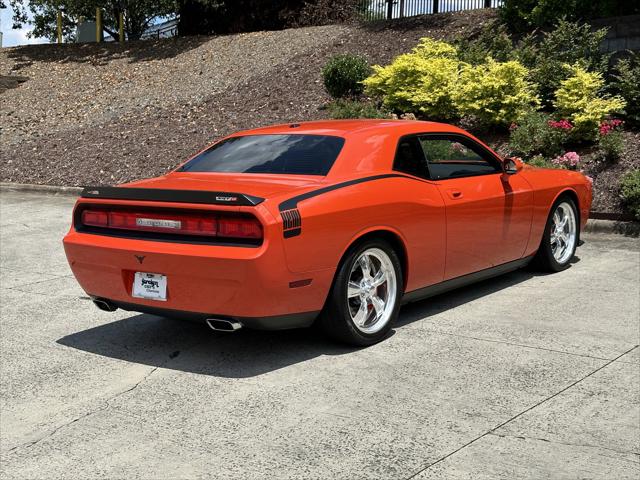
[[524, 376]]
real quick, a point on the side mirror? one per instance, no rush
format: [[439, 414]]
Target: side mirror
[[512, 165]]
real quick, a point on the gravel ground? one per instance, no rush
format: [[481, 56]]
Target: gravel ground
[[104, 114]]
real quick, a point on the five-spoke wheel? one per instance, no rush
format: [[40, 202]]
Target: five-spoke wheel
[[365, 296], [560, 237], [371, 290]]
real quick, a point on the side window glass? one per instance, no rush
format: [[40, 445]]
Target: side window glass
[[448, 158], [410, 158]]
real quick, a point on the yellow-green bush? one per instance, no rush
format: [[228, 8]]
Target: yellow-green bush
[[495, 93], [429, 48], [434, 82], [418, 84], [579, 99]]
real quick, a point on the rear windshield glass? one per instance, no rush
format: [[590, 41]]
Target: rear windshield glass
[[293, 154]]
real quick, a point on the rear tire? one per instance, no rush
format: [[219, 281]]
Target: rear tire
[[560, 237], [364, 300]]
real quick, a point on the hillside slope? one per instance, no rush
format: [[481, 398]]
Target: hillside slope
[[105, 114]]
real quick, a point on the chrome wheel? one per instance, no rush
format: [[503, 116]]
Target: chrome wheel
[[371, 292], [563, 233]]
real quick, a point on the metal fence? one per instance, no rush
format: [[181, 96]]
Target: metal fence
[[385, 9]]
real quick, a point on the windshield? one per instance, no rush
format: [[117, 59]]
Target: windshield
[[292, 154]]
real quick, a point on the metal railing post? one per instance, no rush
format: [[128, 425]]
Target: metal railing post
[[389, 9], [401, 8], [436, 6], [487, 3]]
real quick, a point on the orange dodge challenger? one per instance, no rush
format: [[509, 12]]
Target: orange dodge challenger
[[336, 222]]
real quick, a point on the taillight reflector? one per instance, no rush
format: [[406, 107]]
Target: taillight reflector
[[207, 224]]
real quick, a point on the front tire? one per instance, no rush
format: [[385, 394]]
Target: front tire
[[560, 238], [364, 300]]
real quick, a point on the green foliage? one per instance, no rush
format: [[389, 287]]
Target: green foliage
[[493, 41], [534, 136], [579, 98], [421, 81], [611, 145], [524, 15], [344, 109], [626, 84], [567, 44], [630, 192], [343, 75], [540, 162], [495, 93]]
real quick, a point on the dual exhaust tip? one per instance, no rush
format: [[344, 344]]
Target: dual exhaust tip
[[216, 324], [223, 325]]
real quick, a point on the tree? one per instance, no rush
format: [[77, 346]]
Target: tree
[[231, 16], [138, 14]]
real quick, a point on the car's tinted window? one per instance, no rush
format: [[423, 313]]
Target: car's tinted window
[[293, 154], [410, 158], [450, 158]]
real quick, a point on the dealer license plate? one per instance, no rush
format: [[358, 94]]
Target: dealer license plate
[[152, 286]]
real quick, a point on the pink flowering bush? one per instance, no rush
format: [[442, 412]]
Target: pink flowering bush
[[609, 126], [569, 160], [561, 124], [610, 140]]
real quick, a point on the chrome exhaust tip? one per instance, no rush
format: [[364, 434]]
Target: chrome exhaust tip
[[104, 305], [222, 325]]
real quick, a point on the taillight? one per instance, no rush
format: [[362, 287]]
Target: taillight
[[229, 226]]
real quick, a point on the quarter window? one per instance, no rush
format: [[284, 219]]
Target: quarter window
[[410, 158], [450, 158]]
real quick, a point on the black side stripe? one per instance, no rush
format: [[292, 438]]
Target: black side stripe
[[293, 202], [291, 219]]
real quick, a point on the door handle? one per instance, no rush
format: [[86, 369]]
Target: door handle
[[454, 194]]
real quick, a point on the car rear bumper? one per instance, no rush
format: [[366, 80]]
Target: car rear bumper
[[250, 284]]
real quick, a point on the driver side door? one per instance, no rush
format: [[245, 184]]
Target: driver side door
[[488, 212]]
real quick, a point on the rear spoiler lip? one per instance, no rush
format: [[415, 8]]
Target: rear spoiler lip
[[168, 195]]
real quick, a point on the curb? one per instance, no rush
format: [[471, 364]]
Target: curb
[[50, 189], [628, 229], [594, 225]]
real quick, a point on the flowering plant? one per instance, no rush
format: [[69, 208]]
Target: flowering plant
[[561, 124], [569, 160], [608, 126]]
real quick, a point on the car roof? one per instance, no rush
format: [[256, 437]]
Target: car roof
[[346, 128]]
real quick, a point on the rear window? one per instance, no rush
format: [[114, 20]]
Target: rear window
[[292, 154]]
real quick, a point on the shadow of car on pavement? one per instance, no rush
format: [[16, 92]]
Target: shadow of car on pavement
[[192, 347]]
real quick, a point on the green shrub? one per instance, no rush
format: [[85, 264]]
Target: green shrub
[[343, 75], [579, 98], [493, 41], [611, 145], [567, 44], [420, 82], [626, 84], [495, 93], [630, 192], [343, 109], [540, 162], [535, 135]]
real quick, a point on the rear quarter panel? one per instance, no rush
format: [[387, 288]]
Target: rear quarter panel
[[411, 209], [547, 186]]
